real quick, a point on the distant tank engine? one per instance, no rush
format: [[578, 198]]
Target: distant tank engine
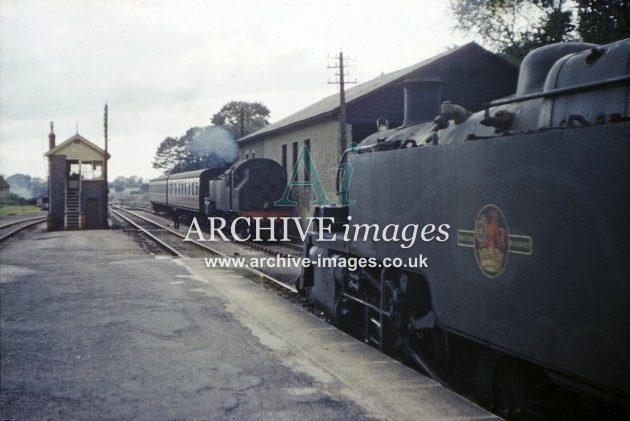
[[247, 188], [528, 297]]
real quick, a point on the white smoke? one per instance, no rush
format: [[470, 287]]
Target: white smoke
[[214, 140]]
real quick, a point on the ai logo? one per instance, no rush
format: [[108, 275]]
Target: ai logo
[[313, 180]]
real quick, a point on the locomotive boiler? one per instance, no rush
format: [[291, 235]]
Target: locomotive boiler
[[525, 304], [247, 188]]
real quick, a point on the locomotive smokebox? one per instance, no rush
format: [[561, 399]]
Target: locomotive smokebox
[[422, 100]]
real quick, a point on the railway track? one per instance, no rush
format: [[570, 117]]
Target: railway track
[[285, 249], [10, 229], [164, 238], [271, 248], [225, 249]]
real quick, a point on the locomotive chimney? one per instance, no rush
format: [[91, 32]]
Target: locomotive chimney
[[51, 137], [422, 100]]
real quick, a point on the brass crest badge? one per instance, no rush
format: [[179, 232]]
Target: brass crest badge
[[492, 241]]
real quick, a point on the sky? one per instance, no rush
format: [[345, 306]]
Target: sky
[[166, 66]]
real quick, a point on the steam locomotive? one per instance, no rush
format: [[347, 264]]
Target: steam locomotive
[[525, 304], [247, 188]]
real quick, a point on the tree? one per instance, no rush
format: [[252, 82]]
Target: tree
[[242, 118], [200, 147], [168, 154], [26, 186], [603, 21], [11, 199], [514, 27], [122, 181]]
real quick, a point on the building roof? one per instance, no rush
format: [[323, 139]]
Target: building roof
[[75, 137], [330, 104], [3, 182]]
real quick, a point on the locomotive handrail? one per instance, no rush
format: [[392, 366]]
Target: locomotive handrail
[[561, 91]]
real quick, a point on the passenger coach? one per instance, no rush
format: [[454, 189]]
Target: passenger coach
[[248, 188]]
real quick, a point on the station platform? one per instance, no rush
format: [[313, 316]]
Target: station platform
[[92, 327]]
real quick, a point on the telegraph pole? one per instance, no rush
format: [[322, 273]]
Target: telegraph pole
[[343, 141], [105, 156]]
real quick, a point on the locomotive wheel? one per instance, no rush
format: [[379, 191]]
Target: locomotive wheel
[[522, 392], [409, 144]]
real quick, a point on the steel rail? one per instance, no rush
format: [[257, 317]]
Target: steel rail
[[151, 236], [21, 221], [29, 223], [214, 251]]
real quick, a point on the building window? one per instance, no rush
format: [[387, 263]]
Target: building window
[[295, 158], [284, 158], [91, 170], [307, 161], [74, 168]]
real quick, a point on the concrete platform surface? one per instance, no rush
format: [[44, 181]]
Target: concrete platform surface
[[94, 328]]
